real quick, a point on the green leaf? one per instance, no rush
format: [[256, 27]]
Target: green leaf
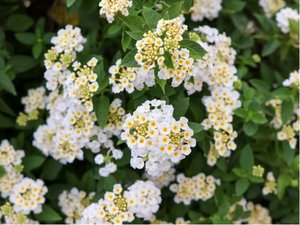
[[180, 107], [7, 84], [250, 128], [4, 107], [260, 85], [70, 3], [196, 127], [2, 171], [134, 23], [168, 60], [26, 38], [48, 215], [120, 142], [37, 49], [32, 162], [241, 186], [294, 27], [247, 158], [135, 35], [270, 47], [18, 22], [196, 51], [51, 169], [232, 7], [283, 182], [160, 82], [113, 30], [258, 118], [126, 39], [21, 63], [151, 17], [102, 110], [6, 122], [175, 10], [287, 111], [128, 60]]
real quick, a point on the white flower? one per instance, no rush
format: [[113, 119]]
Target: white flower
[[113, 209], [72, 204], [28, 196], [270, 7], [156, 140], [144, 199], [284, 16], [110, 8], [35, 99], [164, 180], [198, 187], [270, 185], [9, 157], [68, 40], [129, 79], [208, 9], [293, 80], [8, 181]]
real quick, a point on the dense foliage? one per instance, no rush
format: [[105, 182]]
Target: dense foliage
[[220, 147]]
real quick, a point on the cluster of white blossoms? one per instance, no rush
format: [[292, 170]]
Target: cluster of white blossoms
[[116, 118], [217, 69], [9, 216], [276, 105], [290, 131], [10, 161], [72, 204], [293, 80], [155, 44], [199, 187], [129, 78], [163, 180], [156, 140], [258, 214], [141, 199], [110, 8], [71, 126], [34, 101], [284, 16], [208, 9], [270, 7], [146, 198], [24, 194], [28, 196], [270, 184]]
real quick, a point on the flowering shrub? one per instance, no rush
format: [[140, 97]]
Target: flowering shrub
[[149, 111]]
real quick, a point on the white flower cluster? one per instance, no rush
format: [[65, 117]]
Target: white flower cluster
[[164, 39], [293, 80], [146, 198], [163, 180], [199, 187], [217, 69], [208, 9], [116, 118], [10, 216], [276, 105], [141, 199], [10, 161], [70, 126], [284, 16], [156, 140], [28, 196], [129, 78], [270, 185], [35, 99], [110, 8], [270, 7], [290, 131], [258, 213], [68, 40], [72, 204]]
